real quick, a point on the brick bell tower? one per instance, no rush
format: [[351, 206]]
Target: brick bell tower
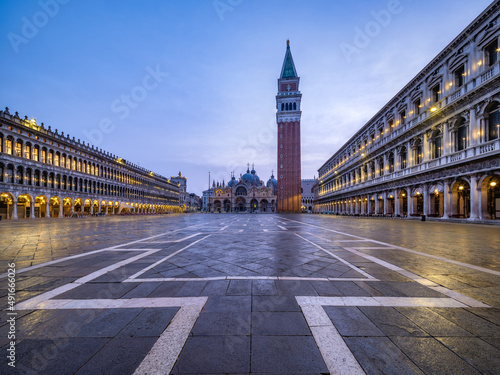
[[288, 119]]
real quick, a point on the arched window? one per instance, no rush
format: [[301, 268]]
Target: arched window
[[9, 144], [56, 159], [36, 153], [63, 160], [493, 122], [381, 166], [282, 106], [417, 152], [404, 156], [19, 175], [27, 150], [2, 168], [36, 178], [436, 144], [19, 148], [51, 180], [391, 162], [43, 155], [50, 157], [241, 191], [10, 174], [44, 179], [28, 177], [294, 106], [462, 136], [286, 106]]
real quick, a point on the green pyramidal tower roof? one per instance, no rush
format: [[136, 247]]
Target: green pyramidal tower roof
[[288, 70]]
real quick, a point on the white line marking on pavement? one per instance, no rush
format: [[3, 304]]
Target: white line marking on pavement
[[241, 230], [289, 278], [419, 279], [380, 301], [336, 257], [92, 252], [282, 227], [130, 303], [223, 227], [161, 358], [62, 289], [477, 268], [266, 230], [166, 258], [338, 358], [176, 241]]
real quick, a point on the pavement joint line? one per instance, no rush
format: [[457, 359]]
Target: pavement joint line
[[337, 356], [217, 278], [135, 275], [337, 257], [469, 301], [458, 263], [25, 305]]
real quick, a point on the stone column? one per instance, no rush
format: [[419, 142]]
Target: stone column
[[47, 208], [60, 208], [410, 202], [32, 208], [446, 147], [446, 200], [14, 203], [425, 196], [473, 127], [385, 203], [474, 199], [396, 204]]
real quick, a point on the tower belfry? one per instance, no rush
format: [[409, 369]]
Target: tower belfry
[[288, 119]]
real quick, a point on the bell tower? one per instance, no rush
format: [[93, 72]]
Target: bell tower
[[288, 120]]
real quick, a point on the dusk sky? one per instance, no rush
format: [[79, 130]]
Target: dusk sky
[[190, 85]]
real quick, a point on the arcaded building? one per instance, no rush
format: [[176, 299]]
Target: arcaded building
[[434, 148], [45, 173]]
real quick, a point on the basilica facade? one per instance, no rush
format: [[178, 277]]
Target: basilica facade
[[246, 194], [434, 148]]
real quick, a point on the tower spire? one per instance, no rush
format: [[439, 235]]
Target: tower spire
[[288, 70]]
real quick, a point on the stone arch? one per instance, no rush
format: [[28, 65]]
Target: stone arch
[[7, 205]]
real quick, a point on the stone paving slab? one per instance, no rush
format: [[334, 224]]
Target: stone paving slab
[[280, 294]]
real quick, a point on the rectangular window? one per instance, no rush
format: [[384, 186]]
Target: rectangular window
[[459, 77], [391, 125], [491, 52], [402, 116], [436, 90]]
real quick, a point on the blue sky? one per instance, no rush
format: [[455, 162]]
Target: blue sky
[[190, 85]]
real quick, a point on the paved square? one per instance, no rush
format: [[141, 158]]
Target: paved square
[[251, 294]]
